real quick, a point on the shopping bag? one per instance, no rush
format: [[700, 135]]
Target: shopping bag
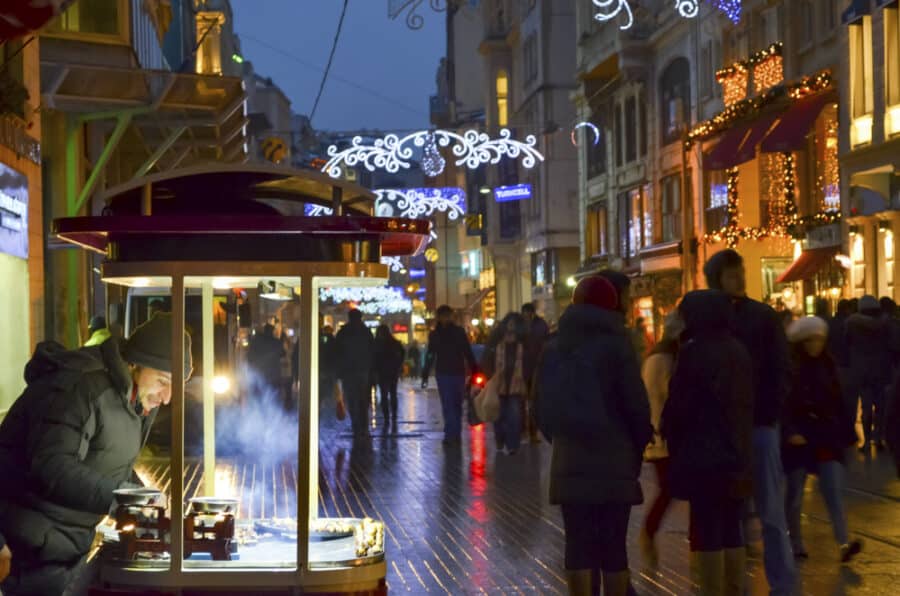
[[487, 403], [340, 406]]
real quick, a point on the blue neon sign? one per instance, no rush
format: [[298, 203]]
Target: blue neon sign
[[516, 192]]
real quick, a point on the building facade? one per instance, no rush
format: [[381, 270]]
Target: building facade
[[711, 132]]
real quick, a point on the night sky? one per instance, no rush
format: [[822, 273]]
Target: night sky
[[395, 65]]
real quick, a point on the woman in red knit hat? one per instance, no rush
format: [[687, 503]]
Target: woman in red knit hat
[[594, 410]]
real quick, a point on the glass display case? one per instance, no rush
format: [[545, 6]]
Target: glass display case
[[231, 463]]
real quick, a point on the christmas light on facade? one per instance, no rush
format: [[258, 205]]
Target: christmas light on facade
[[415, 203], [610, 9], [688, 9], [377, 300], [391, 153], [731, 8], [588, 125], [432, 162]]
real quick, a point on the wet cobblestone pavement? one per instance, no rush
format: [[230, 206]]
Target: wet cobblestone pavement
[[472, 521]]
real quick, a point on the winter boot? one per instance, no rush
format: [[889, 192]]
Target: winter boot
[[616, 584], [710, 572], [735, 571]]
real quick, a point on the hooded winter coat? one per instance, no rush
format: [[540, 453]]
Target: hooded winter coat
[[67, 443], [868, 339], [708, 418], [815, 410], [603, 467]]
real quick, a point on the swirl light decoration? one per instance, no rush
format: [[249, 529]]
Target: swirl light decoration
[[373, 301], [608, 10], [414, 20], [472, 149], [688, 9]]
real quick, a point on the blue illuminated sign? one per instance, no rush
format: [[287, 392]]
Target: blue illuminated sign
[[13, 212], [517, 192], [416, 273]]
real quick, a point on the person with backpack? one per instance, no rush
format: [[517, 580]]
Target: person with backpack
[[707, 423], [816, 430], [389, 356], [657, 372], [593, 409], [69, 441]]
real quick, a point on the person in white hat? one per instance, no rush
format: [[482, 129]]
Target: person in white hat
[[817, 430]]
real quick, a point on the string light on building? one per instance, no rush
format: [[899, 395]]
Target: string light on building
[[830, 179], [734, 85], [731, 8], [392, 152], [688, 9], [769, 72], [608, 10]]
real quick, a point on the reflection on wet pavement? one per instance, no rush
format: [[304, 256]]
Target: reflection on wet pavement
[[471, 521]]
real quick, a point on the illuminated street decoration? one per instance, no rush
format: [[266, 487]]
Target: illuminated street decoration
[[590, 126], [432, 162], [472, 149], [414, 203], [608, 10], [413, 19], [373, 301]]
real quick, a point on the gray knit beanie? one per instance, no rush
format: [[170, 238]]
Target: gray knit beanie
[[150, 345]]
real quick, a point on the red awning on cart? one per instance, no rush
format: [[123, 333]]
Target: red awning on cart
[[809, 263]]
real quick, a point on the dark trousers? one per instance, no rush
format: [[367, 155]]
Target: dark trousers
[[451, 389], [873, 403], [357, 395], [663, 499], [387, 387], [716, 523]]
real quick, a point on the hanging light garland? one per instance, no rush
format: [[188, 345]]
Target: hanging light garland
[[432, 162], [472, 149], [377, 300], [608, 10]]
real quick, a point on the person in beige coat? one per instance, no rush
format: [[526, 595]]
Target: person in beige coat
[[656, 373]]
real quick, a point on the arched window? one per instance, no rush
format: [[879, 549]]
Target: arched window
[[675, 100], [502, 84]]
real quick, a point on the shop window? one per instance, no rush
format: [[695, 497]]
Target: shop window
[[13, 78], [771, 269], [675, 99], [92, 17], [596, 230], [670, 208], [716, 200], [862, 98], [892, 70], [632, 219], [596, 152], [544, 268], [502, 87], [826, 162]]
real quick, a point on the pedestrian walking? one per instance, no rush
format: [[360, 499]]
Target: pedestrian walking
[[536, 333], [507, 363], [839, 348], [592, 407], [656, 373], [708, 425], [68, 442], [816, 431], [760, 330], [354, 354], [414, 353], [264, 355], [389, 356], [449, 353], [868, 337]]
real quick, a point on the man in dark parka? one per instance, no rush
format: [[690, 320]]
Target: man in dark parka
[[69, 441]]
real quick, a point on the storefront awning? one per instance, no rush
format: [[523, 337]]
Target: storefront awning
[[758, 132], [810, 262], [791, 131], [724, 154]]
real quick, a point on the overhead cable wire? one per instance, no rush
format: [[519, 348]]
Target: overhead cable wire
[[334, 44], [374, 93]]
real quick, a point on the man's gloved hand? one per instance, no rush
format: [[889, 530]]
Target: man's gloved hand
[[5, 562]]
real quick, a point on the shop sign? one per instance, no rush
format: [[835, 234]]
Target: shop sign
[[516, 192], [13, 212], [824, 236]]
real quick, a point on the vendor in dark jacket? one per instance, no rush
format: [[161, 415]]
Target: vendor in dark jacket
[[708, 424], [69, 441], [449, 352], [354, 357], [758, 327], [817, 431], [597, 416]]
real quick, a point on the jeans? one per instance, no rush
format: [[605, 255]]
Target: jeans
[[388, 391], [451, 389], [768, 489], [508, 428], [873, 404], [661, 504], [831, 483]]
